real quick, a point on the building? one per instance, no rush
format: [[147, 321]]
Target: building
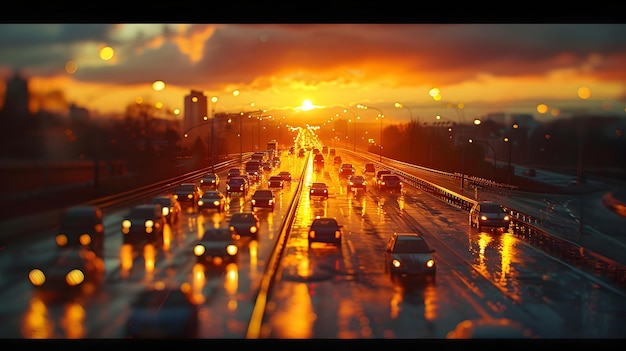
[[196, 108]]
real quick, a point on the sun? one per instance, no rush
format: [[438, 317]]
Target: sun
[[307, 105]]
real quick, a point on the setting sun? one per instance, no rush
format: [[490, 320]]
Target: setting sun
[[307, 105]]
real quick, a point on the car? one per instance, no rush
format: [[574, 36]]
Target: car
[[162, 312], [236, 185], [318, 161], [212, 200], [285, 175], [490, 328], [143, 224], [233, 172], [187, 194], [244, 224], [332, 152], [488, 214], [254, 170], [217, 247], [346, 170], [267, 166], [275, 181], [380, 174], [325, 229], [318, 189], [337, 160], [81, 227], [408, 255], [69, 273], [263, 198], [210, 181], [325, 149], [369, 168], [357, 182], [390, 182], [170, 207]]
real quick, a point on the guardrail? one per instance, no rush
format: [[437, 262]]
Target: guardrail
[[551, 237]]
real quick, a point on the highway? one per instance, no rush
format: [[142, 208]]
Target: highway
[[281, 288]]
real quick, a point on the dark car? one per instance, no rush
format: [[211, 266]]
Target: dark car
[[408, 254], [263, 198], [369, 168], [81, 226], [162, 313], [244, 224], [170, 207], [233, 172], [187, 194], [69, 273], [390, 182], [318, 161], [318, 189], [275, 181], [254, 169], [346, 170], [217, 247], [267, 166], [337, 160], [210, 181], [488, 214], [285, 175], [357, 182], [326, 230], [380, 174], [332, 152], [143, 224], [236, 185], [212, 200]]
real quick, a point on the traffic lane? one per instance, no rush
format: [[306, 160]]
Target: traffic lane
[[312, 280], [554, 298]]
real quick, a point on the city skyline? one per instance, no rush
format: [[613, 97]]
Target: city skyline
[[489, 68]]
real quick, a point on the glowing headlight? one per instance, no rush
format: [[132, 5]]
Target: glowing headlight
[[149, 223], [37, 277], [396, 263], [216, 202], [84, 239], [61, 239], [199, 250], [232, 249], [430, 263], [166, 211], [253, 229], [74, 277], [126, 223]]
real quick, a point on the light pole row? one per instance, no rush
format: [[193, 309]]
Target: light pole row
[[380, 116]]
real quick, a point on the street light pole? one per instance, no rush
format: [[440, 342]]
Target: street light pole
[[494, 155], [435, 93], [214, 101], [380, 116]]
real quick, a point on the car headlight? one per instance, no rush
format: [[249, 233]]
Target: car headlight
[[166, 211], [126, 224], [430, 263], [396, 263], [199, 250], [253, 229], [84, 239], [74, 277], [37, 277], [216, 202], [232, 249], [61, 239], [200, 202]]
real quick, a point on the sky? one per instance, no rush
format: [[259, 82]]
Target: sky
[[391, 68]]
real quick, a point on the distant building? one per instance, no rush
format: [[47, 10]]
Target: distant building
[[16, 99], [196, 108]]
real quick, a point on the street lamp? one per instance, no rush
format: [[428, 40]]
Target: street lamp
[[380, 116], [494, 154], [435, 93]]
